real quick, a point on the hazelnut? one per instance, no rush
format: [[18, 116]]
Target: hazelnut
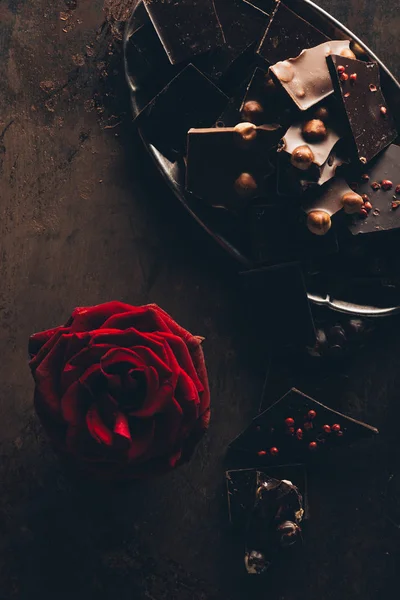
[[321, 113], [289, 533], [252, 111], [302, 157], [319, 222], [352, 203], [347, 53], [247, 132], [245, 185], [314, 130]]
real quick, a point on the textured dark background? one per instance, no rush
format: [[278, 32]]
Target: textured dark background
[[83, 219]]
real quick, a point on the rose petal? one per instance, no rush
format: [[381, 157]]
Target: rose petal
[[121, 426], [96, 427], [94, 317]]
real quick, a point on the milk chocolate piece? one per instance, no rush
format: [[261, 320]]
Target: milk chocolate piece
[[369, 117], [185, 28], [281, 303], [287, 35], [190, 99], [306, 77], [385, 212], [226, 168], [269, 430]]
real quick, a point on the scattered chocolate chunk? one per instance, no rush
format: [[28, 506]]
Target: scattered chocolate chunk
[[371, 133], [173, 22], [385, 168], [268, 429], [280, 296], [228, 166], [287, 35], [190, 99], [306, 77]]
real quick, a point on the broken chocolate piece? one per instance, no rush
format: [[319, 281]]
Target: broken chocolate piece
[[330, 198], [358, 84], [242, 25], [269, 430], [280, 297], [263, 91], [274, 524], [384, 215], [228, 166], [287, 35], [190, 99], [306, 77], [173, 22]]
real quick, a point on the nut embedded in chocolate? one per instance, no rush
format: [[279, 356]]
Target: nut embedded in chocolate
[[319, 222], [321, 113], [247, 132], [314, 130], [245, 185], [352, 203], [252, 111], [289, 533], [302, 157]]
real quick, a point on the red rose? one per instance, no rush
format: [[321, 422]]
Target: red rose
[[121, 389]]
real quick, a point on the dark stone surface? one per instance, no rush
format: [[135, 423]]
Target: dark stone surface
[[84, 220]]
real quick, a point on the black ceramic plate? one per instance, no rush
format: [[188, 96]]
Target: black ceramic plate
[[374, 293]]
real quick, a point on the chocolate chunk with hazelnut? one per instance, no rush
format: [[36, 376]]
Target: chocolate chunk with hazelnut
[[319, 222], [245, 185], [314, 130], [302, 157], [352, 203], [253, 111]]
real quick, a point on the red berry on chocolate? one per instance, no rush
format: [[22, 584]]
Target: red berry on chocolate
[[335, 427], [375, 185], [368, 206], [313, 445], [311, 414], [346, 95], [363, 212], [397, 190], [383, 110], [274, 451], [372, 87], [326, 428], [299, 434], [395, 204], [386, 184], [344, 77], [262, 453], [365, 197], [353, 77], [365, 176], [289, 422], [341, 69], [290, 430], [307, 426]]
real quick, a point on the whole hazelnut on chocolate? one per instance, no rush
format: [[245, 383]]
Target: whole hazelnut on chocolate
[[252, 111], [302, 157], [247, 132], [347, 53], [289, 533], [319, 222], [352, 203], [245, 185], [314, 130], [321, 113]]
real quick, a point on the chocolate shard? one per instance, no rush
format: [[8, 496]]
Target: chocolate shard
[[281, 304], [227, 167], [274, 244], [313, 429], [173, 22], [189, 100], [369, 117], [384, 197], [287, 35], [306, 77], [275, 523]]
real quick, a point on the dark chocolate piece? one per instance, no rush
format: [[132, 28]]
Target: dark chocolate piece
[[185, 28], [306, 77], [281, 303], [370, 119], [274, 524], [228, 166], [287, 35], [242, 25], [385, 212], [231, 115], [265, 6], [278, 235], [316, 429], [272, 103], [189, 100]]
